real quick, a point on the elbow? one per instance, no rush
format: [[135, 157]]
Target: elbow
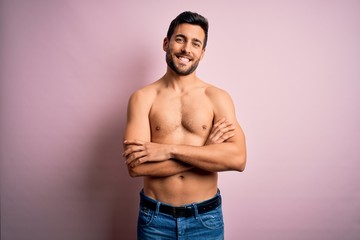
[[240, 163], [133, 173], [238, 156], [241, 168]]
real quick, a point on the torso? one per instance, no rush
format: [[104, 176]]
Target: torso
[[181, 118]]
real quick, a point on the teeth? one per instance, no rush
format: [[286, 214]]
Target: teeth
[[184, 59]]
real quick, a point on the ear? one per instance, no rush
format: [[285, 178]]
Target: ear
[[165, 44]]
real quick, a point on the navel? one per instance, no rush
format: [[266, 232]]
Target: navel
[[204, 127]]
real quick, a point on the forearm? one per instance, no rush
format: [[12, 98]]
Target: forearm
[[228, 154], [159, 169], [213, 158]]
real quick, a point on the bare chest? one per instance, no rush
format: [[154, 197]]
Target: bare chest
[[181, 115]]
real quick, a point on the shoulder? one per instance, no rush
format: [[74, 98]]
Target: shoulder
[[216, 94], [144, 95], [142, 99], [222, 103]]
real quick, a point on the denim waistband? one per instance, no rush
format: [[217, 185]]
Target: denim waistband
[[187, 210]]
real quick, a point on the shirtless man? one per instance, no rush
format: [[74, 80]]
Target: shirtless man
[[180, 132]]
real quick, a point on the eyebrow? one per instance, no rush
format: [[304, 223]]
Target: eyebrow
[[194, 39]]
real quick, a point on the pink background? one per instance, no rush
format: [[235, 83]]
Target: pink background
[[68, 68]]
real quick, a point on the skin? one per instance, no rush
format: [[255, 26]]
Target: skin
[[182, 131]]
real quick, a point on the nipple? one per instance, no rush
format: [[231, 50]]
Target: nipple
[[157, 128]]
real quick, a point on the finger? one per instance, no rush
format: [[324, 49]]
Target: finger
[[212, 134], [134, 157], [137, 162], [223, 128], [132, 149], [223, 135], [215, 130], [219, 122], [216, 136], [226, 124], [218, 130], [228, 128], [226, 136], [223, 125]]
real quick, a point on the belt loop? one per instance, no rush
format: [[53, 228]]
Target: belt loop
[[196, 213], [157, 208]]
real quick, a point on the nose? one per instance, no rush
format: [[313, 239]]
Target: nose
[[186, 48]]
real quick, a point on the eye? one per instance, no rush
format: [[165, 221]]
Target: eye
[[179, 40], [196, 44]]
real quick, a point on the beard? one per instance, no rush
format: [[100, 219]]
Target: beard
[[170, 62]]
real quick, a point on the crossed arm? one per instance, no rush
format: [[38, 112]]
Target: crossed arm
[[154, 159], [224, 148]]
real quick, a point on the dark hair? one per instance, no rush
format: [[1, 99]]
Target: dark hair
[[191, 18]]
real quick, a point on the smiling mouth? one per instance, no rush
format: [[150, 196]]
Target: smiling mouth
[[183, 59]]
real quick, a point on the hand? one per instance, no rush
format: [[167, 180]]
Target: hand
[[138, 152], [221, 131]]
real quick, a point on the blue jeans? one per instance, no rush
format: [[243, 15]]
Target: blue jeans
[[156, 225]]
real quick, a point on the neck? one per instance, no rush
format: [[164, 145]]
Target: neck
[[179, 81]]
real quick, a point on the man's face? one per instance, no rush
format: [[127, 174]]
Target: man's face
[[184, 49]]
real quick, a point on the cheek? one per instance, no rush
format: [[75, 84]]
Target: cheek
[[175, 48], [199, 54]]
